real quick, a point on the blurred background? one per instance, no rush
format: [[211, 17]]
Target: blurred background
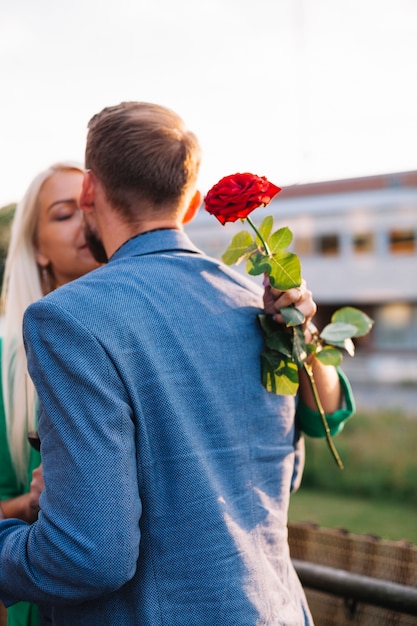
[[295, 90]]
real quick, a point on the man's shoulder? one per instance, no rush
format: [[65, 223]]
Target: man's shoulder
[[78, 294], [242, 280]]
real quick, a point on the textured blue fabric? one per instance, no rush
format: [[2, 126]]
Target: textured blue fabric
[[167, 465]]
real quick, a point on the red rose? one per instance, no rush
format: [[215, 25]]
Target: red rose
[[235, 196]]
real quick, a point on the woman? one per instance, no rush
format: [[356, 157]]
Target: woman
[[47, 249]]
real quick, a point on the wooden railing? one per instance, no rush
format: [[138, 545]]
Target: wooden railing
[[355, 588], [358, 580], [355, 579]]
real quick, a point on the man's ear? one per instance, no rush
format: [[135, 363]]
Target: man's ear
[[192, 208], [87, 192]]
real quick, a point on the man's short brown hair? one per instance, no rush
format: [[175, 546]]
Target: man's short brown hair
[[142, 152]]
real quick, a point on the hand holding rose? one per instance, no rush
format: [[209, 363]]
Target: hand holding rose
[[301, 297], [293, 345]]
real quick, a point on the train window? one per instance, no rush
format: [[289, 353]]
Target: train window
[[328, 245], [396, 326], [303, 246], [363, 243], [402, 241]]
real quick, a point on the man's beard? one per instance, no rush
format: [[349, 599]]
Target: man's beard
[[95, 244]]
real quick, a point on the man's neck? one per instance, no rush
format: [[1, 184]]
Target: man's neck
[[114, 237]]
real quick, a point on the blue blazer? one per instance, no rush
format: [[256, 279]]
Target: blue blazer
[[167, 466]]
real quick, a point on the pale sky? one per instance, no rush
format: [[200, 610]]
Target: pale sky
[[295, 90]]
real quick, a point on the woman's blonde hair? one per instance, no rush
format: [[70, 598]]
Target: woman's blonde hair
[[22, 285]]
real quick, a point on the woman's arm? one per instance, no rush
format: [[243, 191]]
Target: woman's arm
[[326, 376], [18, 508], [328, 387], [26, 506]]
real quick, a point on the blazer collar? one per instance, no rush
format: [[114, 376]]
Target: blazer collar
[[161, 240]]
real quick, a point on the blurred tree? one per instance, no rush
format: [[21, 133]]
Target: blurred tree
[[6, 218]]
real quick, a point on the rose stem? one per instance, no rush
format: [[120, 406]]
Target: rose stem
[[309, 370], [265, 245]]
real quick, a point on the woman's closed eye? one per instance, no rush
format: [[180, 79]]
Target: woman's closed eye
[[64, 210]]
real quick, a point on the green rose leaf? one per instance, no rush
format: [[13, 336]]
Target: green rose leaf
[[280, 240], [258, 263], [351, 315], [276, 338], [329, 356], [299, 351], [311, 348], [285, 271], [347, 345], [279, 375], [337, 332], [241, 246], [266, 226], [292, 316]]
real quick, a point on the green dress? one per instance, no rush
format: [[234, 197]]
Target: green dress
[[22, 613]]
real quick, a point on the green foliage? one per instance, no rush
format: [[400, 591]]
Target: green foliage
[[329, 356], [379, 517], [325, 346], [280, 240], [6, 219], [350, 315], [275, 337], [279, 358], [240, 248], [346, 323], [279, 375], [279, 372], [299, 353], [265, 229], [376, 493], [283, 269], [337, 333], [379, 457], [266, 252], [285, 349], [292, 316]]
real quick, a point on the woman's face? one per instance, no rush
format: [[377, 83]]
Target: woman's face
[[60, 240]]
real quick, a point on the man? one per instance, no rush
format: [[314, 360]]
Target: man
[[167, 465]]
